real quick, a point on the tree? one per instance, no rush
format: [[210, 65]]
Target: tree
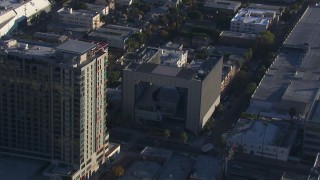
[[79, 5], [292, 112], [118, 171], [173, 26], [164, 34], [164, 20], [148, 32], [166, 133], [187, 2], [240, 79], [248, 54], [113, 76], [239, 63], [135, 41], [219, 109], [209, 124], [250, 88], [202, 54], [183, 137], [265, 38], [195, 15]]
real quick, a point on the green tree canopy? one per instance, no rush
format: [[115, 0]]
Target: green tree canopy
[[248, 54], [113, 76], [266, 38], [164, 34], [195, 15], [166, 133], [202, 54], [250, 88]]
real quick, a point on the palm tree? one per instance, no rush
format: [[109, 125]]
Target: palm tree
[[184, 137], [166, 133]]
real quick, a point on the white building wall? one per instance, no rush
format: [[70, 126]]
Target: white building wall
[[27, 10], [239, 26], [9, 27], [265, 150], [78, 20]]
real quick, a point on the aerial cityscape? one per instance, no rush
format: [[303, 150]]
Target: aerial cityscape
[[159, 90]]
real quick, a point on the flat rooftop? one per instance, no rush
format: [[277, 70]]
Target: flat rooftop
[[96, 7], [142, 170], [253, 16], [238, 35], [294, 75], [265, 6], [222, 4], [178, 167], [307, 29], [80, 12], [114, 31], [179, 72], [12, 168], [156, 152], [207, 167], [33, 50], [74, 46], [275, 133]]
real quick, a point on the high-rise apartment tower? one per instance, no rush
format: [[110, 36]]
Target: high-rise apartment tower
[[53, 105]]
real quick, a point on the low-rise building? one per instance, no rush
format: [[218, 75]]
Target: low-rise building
[[142, 170], [277, 9], [200, 41], [116, 36], [311, 141], [293, 176], [213, 6], [178, 167], [249, 20], [166, 55], [102, 9], [237, 39], [168, 3], [50, 37], [173, 58], [271, 139], [172, 46], [14, 14], [207, 167], [292, 81], [156, 154], [81, 18]]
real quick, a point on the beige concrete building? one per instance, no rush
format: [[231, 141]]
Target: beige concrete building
[[82, 18], [155, 93]]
